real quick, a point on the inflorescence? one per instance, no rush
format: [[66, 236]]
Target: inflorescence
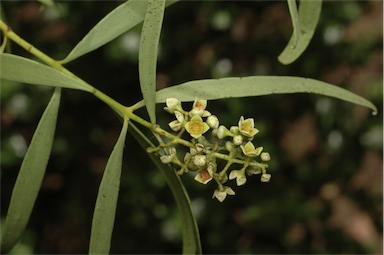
[[233, 146]]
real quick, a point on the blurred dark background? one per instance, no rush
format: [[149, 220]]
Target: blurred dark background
[[325, 195]]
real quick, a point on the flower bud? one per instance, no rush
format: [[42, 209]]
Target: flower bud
[[265, 156], [234, 130], [237, 139], [265, 177], [213, 121], [228, 145], [222, 132], [199, 160], [193, 151], [187, 156]]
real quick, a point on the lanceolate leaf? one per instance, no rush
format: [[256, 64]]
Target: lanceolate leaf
[[16, 68], [309, 14], [149, 43], [191, 237], [295, 21], [31, 174], [117, 22], [256, 86], [105, 208]]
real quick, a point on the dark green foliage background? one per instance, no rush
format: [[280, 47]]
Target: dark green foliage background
[[322, 198]]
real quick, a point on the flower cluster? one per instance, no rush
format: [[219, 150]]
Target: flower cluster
[[233, 146]]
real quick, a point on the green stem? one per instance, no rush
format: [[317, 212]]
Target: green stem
[[120, 109]]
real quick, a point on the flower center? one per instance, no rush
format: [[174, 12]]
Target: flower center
[[195, 127], [199, 105], [205, 175], [246, 127], [247, 150]]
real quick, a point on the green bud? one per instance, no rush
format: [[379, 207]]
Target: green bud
[[265, 156], [213, 121], [265, 177], [237, 140]]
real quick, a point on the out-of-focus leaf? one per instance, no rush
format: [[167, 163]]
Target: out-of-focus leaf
[[309, 14], [105, 208], [16, 68], [191, 237], [149, 43], [256, 86], [48, 3], [31, 174], [117, 22]]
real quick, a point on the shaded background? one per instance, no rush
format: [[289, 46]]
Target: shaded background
[[325, 195]]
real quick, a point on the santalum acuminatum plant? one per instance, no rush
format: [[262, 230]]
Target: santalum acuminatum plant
[[213, 152]]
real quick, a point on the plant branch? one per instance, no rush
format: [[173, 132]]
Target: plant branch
[[120, 109]]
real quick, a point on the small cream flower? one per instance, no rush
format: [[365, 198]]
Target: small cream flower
[[173, 104], [198, 108], [247, 127], [250, 150], [239, 175], [251, 170], [177, 124], [222, 193], [196, 127], [168, 158], [201, 104], [205, 174]]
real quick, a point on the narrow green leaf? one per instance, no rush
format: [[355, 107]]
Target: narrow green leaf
[[117, 22], [257, 86], [106, 202], [149, 43], [16, 68], [295, 21], [309, 14], [191, 237], [31, 174]]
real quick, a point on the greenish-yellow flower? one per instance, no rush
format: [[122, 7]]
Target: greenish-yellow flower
[[196, 127], [247, 127]]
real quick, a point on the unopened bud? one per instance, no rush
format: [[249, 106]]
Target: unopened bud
[[237, 139], [199, 160], [234, 130], [265, 156], [213, 121], [265, 177], [228, 145], [222, 132]]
